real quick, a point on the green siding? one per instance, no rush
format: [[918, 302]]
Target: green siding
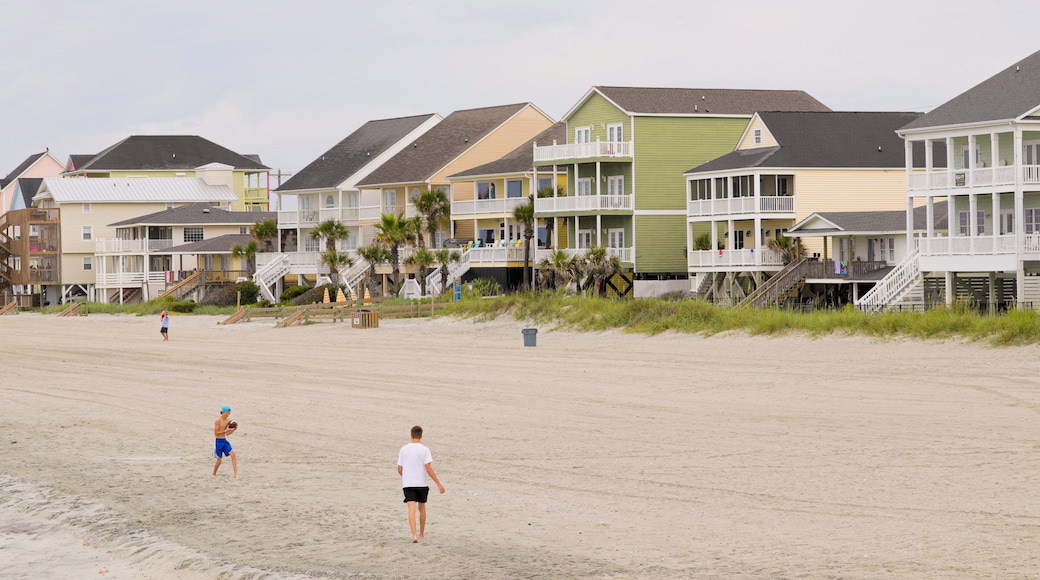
[[661, 243], [666, 147], [597, 113]]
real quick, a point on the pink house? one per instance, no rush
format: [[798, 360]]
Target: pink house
[[37, 165]]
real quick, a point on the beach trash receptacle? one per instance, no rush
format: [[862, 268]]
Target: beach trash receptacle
[[364, 318], [530, 336]]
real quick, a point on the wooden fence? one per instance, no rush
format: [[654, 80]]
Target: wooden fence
[[332, 312]]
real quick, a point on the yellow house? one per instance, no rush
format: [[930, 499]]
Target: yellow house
[[787, 166], [178, 156]]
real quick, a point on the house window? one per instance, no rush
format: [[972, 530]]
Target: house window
[[543, 237], [544, 182], [329, 201], [742, 186], [485, 190], [738, 240], [616, 133], [1007, 221], [700, 189], [438, 239], [1031, 153], [584, 239], [242, 230], [487, 235], [88, 263], [582, 134], [891, 249], [1032, 220], [305, 202], [615, 185], [88, 233], [169, 205], [964, 157], [980, 223], [758, 136], [514, 188], [192, 235], [311, 244], [781, 186], [390, 199], [86, 208], [415, 194], [616, 238], [584, 186]]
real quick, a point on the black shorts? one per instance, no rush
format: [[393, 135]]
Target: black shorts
[[163, 330], [418, 494]]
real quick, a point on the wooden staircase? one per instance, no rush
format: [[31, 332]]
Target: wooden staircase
[[183, 288], [9, 308], [774, 291]]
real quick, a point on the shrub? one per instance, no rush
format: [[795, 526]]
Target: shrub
[[292, 292], [229, 296], [315, 295], [181, 306], [486, 287]]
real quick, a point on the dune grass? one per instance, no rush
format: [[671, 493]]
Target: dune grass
[[654, 316]]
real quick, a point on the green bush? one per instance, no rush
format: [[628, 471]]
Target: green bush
[[229, 296], [486, 287], [292, 292], [182, 306]]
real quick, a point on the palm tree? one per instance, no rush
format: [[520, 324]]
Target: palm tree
[[556, 270], [600, 267], [416, 225], [788, 248], [248, 253], [435, 207], [264, 232], [524, 215], [330, 231], [374, 254], [394, 232], [445, 257], [424, 259]]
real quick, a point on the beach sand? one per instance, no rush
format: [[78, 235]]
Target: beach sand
[[596, 455]]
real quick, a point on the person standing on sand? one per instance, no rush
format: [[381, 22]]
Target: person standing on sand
[[221, 429], [414, 463], [165, 325]]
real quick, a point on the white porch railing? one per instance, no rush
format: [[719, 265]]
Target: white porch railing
[[486, 206], [892, 286], [574, 203], [923, 180], [369, 213], [596, 149], [740, 205], [748, 257], [968, 245], [622, 254], [298, 217], [344, 215], [117, 246]]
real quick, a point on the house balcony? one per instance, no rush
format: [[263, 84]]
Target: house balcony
[[747, 258], [255, 195], [573, 152], [300, 262], [982, 177], [740, 206], [976, 253], [495, 206], [298, 218], [348, 216], [104, 246], [374, 213], [583, 203]]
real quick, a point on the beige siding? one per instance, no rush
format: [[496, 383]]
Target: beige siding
[[849, 190], [522, 127], [74, 247], [462, 191], [464, 229], [748, 142]]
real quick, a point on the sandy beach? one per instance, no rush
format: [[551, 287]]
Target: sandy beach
[[597, 455]]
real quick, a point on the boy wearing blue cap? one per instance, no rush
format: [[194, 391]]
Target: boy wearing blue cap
[[223, 427]]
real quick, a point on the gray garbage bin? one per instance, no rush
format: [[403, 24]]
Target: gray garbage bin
[[530, 336]]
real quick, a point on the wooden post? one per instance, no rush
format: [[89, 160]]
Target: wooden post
[[239, 299]]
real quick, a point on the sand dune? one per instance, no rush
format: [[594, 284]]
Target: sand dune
[[590, 455]]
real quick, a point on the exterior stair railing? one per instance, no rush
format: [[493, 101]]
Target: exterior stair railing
[[269, 274], [892, 286], [776, 288], [457, 269]]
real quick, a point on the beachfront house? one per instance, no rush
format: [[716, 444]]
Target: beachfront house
[[182, 252], [140, 156], [483, 201], [983, 163], [786, 166], [327, 189], [464, 139], [625, 152], [81, 212], [36, 166]]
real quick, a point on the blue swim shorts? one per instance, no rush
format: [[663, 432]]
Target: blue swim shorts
[[223, 448]]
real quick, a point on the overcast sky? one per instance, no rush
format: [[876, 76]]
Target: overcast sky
[[287, 80]]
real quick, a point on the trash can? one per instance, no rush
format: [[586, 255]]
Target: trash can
[[365, 319], [530, 336]]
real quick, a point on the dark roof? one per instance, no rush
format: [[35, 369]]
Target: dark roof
[[437, 147], [522, 158], [1009, 94], [76, 161], [828, 139], [663, 101], [352, 153], [218, 245], [166, 152], [29, 187], [873, 221], [22, 167], [198, 213]]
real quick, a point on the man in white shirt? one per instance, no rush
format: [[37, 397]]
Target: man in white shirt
[[414, 463]]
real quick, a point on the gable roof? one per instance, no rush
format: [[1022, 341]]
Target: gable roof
[[29, 186], [1012, 93], [521, 159], [441, 144], [198, 213], [22, 167], [867, 222], [707, 102], [827, 140], [352, 153], [76, 161], [165, 152], [151, 190]]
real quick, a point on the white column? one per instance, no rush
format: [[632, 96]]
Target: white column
[[930, 219], [929, 162], [759, 246], [908, 162]]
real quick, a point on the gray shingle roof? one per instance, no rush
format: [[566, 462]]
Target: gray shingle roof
[[1009, 94], [664, 101], [29, 187], [76, 161], [218, 245], [22, 167], [522, 158], [872, 222], [166, 152], [437, 147], [352, 153], [829, 139], [198, 213]]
